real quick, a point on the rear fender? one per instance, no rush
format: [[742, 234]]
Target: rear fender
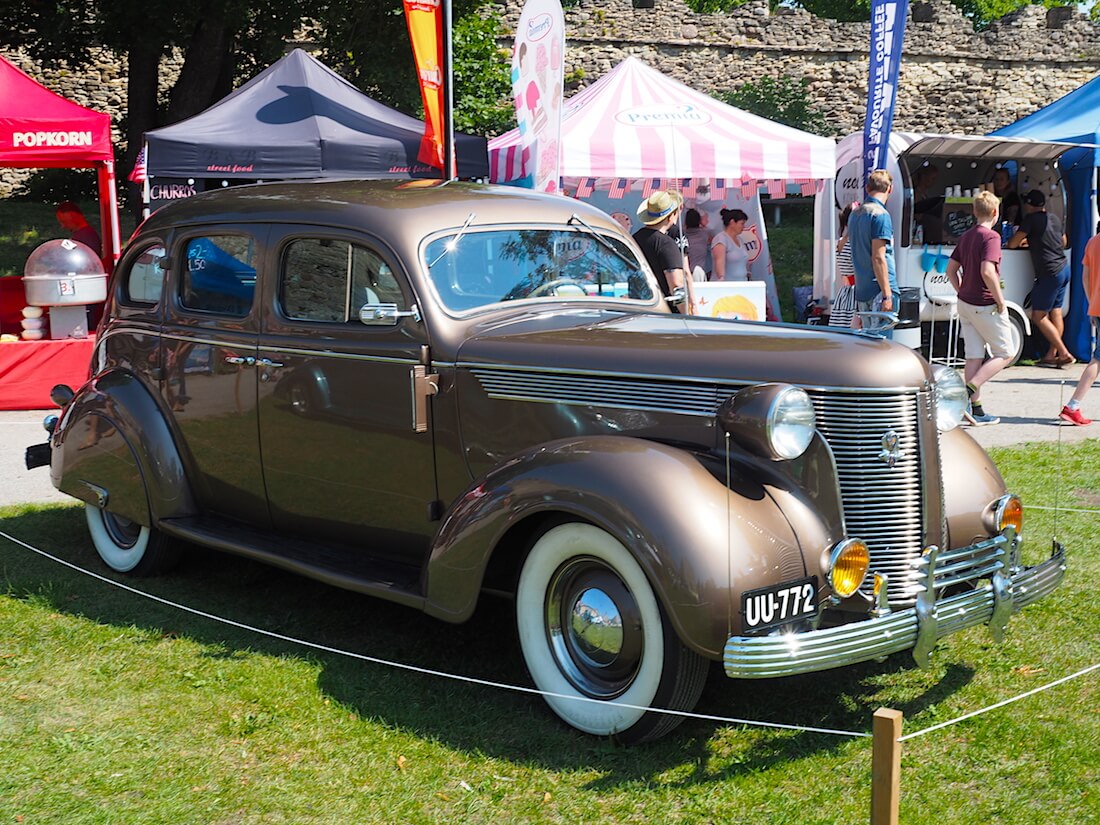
[[700, 543], [113, 448]]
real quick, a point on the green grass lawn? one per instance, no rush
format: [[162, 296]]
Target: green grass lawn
[[117, 709]]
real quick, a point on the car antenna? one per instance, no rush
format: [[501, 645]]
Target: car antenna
[[453, 242]]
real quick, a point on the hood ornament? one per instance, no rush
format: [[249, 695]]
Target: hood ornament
[[891, 448]]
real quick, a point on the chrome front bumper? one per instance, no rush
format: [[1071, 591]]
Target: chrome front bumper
[[916, 628]]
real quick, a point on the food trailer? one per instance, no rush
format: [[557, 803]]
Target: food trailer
[[935, 180]]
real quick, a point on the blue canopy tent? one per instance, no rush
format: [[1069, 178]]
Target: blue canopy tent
[[1074, 118]]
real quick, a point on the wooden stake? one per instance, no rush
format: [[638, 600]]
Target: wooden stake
[[886, 766]]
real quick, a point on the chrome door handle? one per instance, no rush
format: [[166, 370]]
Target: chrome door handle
[[248, 361], [267, 362]]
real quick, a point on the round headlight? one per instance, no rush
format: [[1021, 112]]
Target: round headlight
[[791, 423], [951, 398], [848, 567]]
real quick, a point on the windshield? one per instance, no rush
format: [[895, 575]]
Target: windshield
[[474, 269]]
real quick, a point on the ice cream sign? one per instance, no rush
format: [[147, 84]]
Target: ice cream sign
[[663, 115]]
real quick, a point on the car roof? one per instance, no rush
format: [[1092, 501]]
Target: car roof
[[383, 206]]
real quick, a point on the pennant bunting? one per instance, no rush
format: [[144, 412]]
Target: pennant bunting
[[619, 187]]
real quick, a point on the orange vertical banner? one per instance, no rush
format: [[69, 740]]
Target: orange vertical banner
[[425, 20]]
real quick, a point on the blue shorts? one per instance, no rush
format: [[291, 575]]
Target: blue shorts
[[1050, 292], [1095, 337]]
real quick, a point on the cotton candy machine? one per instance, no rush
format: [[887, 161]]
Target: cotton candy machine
[[65, 276]]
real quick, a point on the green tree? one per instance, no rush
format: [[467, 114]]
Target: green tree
[[220, 42], [783, 99], [368, 43]]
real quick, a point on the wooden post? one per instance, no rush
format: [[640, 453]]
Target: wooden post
[[885, 766]]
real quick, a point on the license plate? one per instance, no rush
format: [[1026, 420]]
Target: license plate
[[779, 604]]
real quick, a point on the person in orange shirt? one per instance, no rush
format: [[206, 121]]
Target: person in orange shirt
[[1090, 274]]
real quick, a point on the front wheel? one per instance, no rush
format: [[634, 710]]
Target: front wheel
[[128, 547], [594, 636]]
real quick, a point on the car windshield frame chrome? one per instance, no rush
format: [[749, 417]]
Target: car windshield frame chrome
[[604, 239]]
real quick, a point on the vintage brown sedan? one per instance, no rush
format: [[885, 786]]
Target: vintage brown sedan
[[430, 392]]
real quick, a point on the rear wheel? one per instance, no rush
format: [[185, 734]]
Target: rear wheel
[[128, 547], [593, 634], [1019, 337]]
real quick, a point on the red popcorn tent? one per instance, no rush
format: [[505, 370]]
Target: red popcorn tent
[[40, 129]]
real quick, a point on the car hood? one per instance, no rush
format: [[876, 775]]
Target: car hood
[[675, 346]]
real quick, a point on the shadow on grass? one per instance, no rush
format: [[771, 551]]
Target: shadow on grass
[[471, 718]]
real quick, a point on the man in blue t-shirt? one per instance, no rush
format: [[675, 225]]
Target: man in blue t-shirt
[[871, 236]]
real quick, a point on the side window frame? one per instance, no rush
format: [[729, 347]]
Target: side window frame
[[122, 293], [366, 243], [255, 233]]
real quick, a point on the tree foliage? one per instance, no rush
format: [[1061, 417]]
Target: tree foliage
[[783, 99], [368, 43], [224, 42]]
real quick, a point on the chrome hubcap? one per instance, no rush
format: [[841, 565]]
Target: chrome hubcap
[[123, 532], [594, 627]]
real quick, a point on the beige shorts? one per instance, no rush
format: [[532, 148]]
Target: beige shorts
[[982, 326]]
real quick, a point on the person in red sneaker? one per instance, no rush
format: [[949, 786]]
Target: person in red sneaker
[[1090, 275]]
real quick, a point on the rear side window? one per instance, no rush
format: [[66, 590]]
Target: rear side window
[[328, 280], [146, 276], [220, 274]]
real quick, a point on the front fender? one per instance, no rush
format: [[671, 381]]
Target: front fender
[[970, 482], [113, 439], [700, 543]]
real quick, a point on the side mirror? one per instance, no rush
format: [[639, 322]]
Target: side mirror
[[678, 296], [385, 315]]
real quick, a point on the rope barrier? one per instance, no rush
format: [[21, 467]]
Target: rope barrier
[[416, 668], [520, 688], [1001, 704]]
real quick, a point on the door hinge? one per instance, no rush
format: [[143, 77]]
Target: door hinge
[[424, 385]]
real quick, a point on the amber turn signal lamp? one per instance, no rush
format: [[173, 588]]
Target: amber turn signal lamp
[[848, 567]]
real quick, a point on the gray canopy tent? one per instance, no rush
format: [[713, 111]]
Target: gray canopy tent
[[299, 119]]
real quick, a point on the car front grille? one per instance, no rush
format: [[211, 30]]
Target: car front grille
[[883, 504]]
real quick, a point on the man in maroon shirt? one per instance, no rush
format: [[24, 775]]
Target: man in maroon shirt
[[981, 304]]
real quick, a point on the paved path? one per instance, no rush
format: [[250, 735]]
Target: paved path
[[1026, 398]]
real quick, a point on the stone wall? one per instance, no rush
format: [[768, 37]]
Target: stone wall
[[953, 79]]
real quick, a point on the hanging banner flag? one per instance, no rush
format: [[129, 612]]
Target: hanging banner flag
[[887, 32], [425, 21], [537, 73]]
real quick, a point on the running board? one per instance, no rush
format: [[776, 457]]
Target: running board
[[341, 568]]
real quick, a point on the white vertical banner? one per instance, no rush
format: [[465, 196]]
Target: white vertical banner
[[537, 88]]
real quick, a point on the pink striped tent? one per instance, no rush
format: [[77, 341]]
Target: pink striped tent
[[635, 123]]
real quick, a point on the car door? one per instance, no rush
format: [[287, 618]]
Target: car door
[[342, 458], [209, 368]]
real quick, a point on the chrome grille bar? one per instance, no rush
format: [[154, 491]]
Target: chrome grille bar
[[610, 391], [882, 504]]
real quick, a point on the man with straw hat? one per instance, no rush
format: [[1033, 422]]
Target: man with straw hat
[[658, 214]]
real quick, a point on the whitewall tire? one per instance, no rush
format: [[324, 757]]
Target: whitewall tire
[[593, 633], [127, 547]]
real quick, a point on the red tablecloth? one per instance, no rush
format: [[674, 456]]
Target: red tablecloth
[[30, 369]]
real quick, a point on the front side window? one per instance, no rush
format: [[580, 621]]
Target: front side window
[[475, 269], [145, 278], [220, 274], [329, 280]]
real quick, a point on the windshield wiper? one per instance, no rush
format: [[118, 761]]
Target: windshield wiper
[[453, 242], [604, 242]]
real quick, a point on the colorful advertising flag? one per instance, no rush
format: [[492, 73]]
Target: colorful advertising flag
[[887, 32], [537, 72], [425, 21]]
